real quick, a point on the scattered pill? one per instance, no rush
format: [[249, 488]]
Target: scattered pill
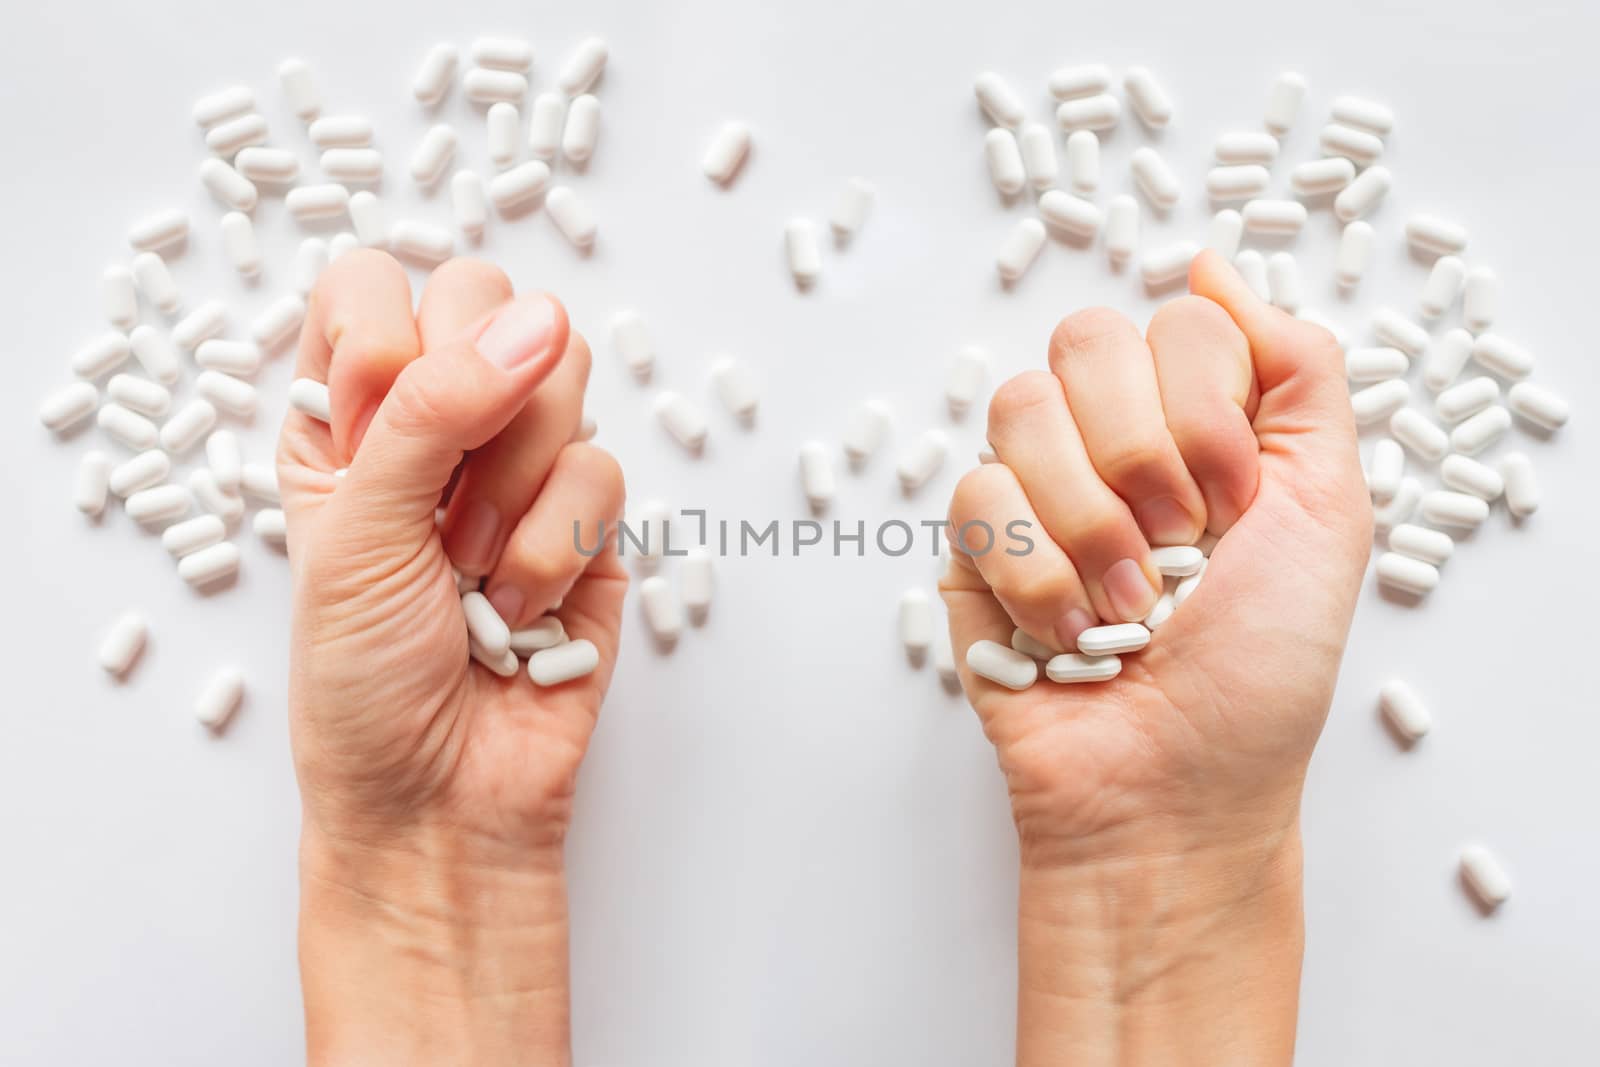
[[916, 624], [682, 420], [482, 85], [1446, 358], [310, 203], [1072, 667], [280, 321], [1484, 876], [1122, 229], [422, 242], [1252, 267], [865, 431], [1004, 158], [1416, 432], [1283, 102], [1522, 485], [210, 566], [353, 166], [1114, 639], [851, 208], [1277, 217], [213, 498], [518, 187], [735, 388], [1090, 79], [922, 461], [1467, 475], [270, 525], [434, 74], [226, 138], [583, 67], [221, 106], [1404, 710], [545, 632], [1363, 114], [300, 88], [268, 166], [944, 663], [1038, 147], [1358, 146], [1100, 112], [1394, 329], [220, 699], [339, 244], [1166, 264], [1083, 162], [1019, 249], [563, 663], [1479, 431], [1245, 146], [227, 186], [965, 380], [310, 397], [726, 154], [661, 611], [187, 426], [1445, 507], [469, 204], [122, 644], [1375, 364], [1069, 213], [101, 356], [1444, 283], [582, 129], [223, 458], [1400, 507], [310, 260], [1532, 402], [1002, 665], [1480, 299], [1150, 101], [433, 155], [1320, 177], [1283, 281], [1418, 542], [158, 504], [128, 428], [1407, 574], [239, 358], [1501, 356], [163, 230], [1467, 399], [485, 625], [240, 245], [90, 486], [504, 126], [191, 535], [1435, 236], [227, 393], [1154, 178], [998, 100], [1177, 561], [1355, 253], [571, 216], [203, 323], [547, 119], [1378, 402], [502, 53], [1237, 182], [631, 339], [141, 472]]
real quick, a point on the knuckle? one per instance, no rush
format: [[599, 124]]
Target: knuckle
[[1098, 528], [1021, 394], [1137, 459], [597, 469], [974, 492]]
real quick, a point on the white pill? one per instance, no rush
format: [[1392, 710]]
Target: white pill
[[187, 426], [210, 565], [1154, 178], [1444, 507], [1072, 667], [1375, 364], [1501, 356], [1355, 253], [1378, 402], [434, 74], [1186, 587], [1404, 709], [1252, 267], [1019, 249], [279, 322], [240, 245], [1276, 217], [653, 523], [220, 698], [141, 472], [1114, 639], [432, 155], [548, 115], [682, 420], [223, 458], [203, 323], [122, 644], [1532, 402], [339, 131], [1363, 114], [227, 186], [864, 433], [816, 475], [1167, 263], [117, 296], [916, 624], [227, 393], [1237, 182], [631, 339], [229, 137], [165, 229], [128, 428], [1407, 574], [159, 504], [91, 483], [1100, 112], [998, 100], [1394, 329], [1090, 79], [1030, 646], [1283, 280], [546, 632], [502, 53], [504, 136], [1400, 507], [922, 460], [1444, 282], [239, 358], [1480, 299], [1245, 146], [519, 186], [191, 535], [213, 498], [1418, 542], [1467, 399], [965, 380], [101, 356], [1320, 177], [310, 260], [422, 242], [1150, 101], [485, 625], [1083, 162], [1521, 483], [1484, 876], [309, 203], [725, 155], [661, 611], [944, 663], [310, 397], [221, 106], [1004, 158], [1386, 470], [355, 166], [1416, 432], [582, 129], [1478, 432], [485, 86], [851, 208], [1469, 476], [1002, 665], [1069, 213], [340, 243], [1166, 604], [300, 88], [468, 203], [583, 67], [1122, 229], [1358, 146], [1178, 561], [803, 251], [572, 216], [1432, 235], [1446, 358], [269, 166], [563, 663], [735, 388], [1038, 147], [1283, 102]]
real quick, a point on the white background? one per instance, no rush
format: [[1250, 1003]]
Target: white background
[[790, 847]]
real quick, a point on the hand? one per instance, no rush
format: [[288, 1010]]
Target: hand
[[436, 794], [1164, 804]]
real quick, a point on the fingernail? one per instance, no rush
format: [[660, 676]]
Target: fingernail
[[521, 331], [475, 536], [1129, 590], [507, 600], [1166, 522], [1071, 625]]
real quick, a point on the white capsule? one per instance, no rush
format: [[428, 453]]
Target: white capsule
[[682, 420], [502, 53], [353, 166], [1083, 162], [239, 358], [1089, 79], [1467, 399], [865, 432], [851, 208], [563, 663], [965, 380], [227, 393], [545, 125], [1222, 236], [210, 566], [300, 88], [1469, 476], [1168, 263], [1004, 158], [1432, 235], [922, 461], [1074, 667], [816, 475], [339, 244], [1122, 229], [1407, 574], [546, 632], [227, 186], [158, 505], [1444, 282], [1378, 402], [310, 260], [434, 74], [1355, 253], [341, 131], [1362, 114], [213, 498], [91, 483], [632, 341], [1277, 217], [1283, 102], [469, 204], [1166, 604], [1252, 267], [1500, 356], [1404, 710], [652, 523], [661, 611], [1038, 147], [221, 106], [583, 67], [485, 86], [1521, 484], [1446, 358], [1443, 507], [433, 155], [1178, 561], [223, 459], [1363, 194], [1237, 182], [1375, 364], [122, 644], [1019, 250], [1283, 280], [1394, 329], [1416, 432], [695, 584], [240, 245], [310, 397], [1186, 587], [725, 155], [1114, 639], [310, 203], [944, 663], [203, 323], [1155, 179], [226, 138], [279, 322], [1358, 146], [1150, 101], [421, 242], [518, 187], [191, 535], [128, 428], [1480, 299], [1245, 146], [1478, 432], [1002, 665], [1069, 213], [998, 100], [1100, 112], [582, 129], [735, 388], [220, 699], [270, 166], [916, 624], [484, 624], [1319, 177], [1387, 468], [187, 426], [1400, 507], [163, 230], [571, 216], [1532, 402], [101, 356], [1484, 876], [141, 472], [1432, 547], [504, 136]]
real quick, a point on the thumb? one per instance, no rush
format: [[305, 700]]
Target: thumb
[[449, 402]]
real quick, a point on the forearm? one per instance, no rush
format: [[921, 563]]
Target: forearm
[[412, 958], [1183, 955]]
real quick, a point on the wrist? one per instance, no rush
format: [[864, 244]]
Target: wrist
[[411, 952]]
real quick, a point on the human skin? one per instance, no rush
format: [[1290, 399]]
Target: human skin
[[436, 795], [1160, 912]]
